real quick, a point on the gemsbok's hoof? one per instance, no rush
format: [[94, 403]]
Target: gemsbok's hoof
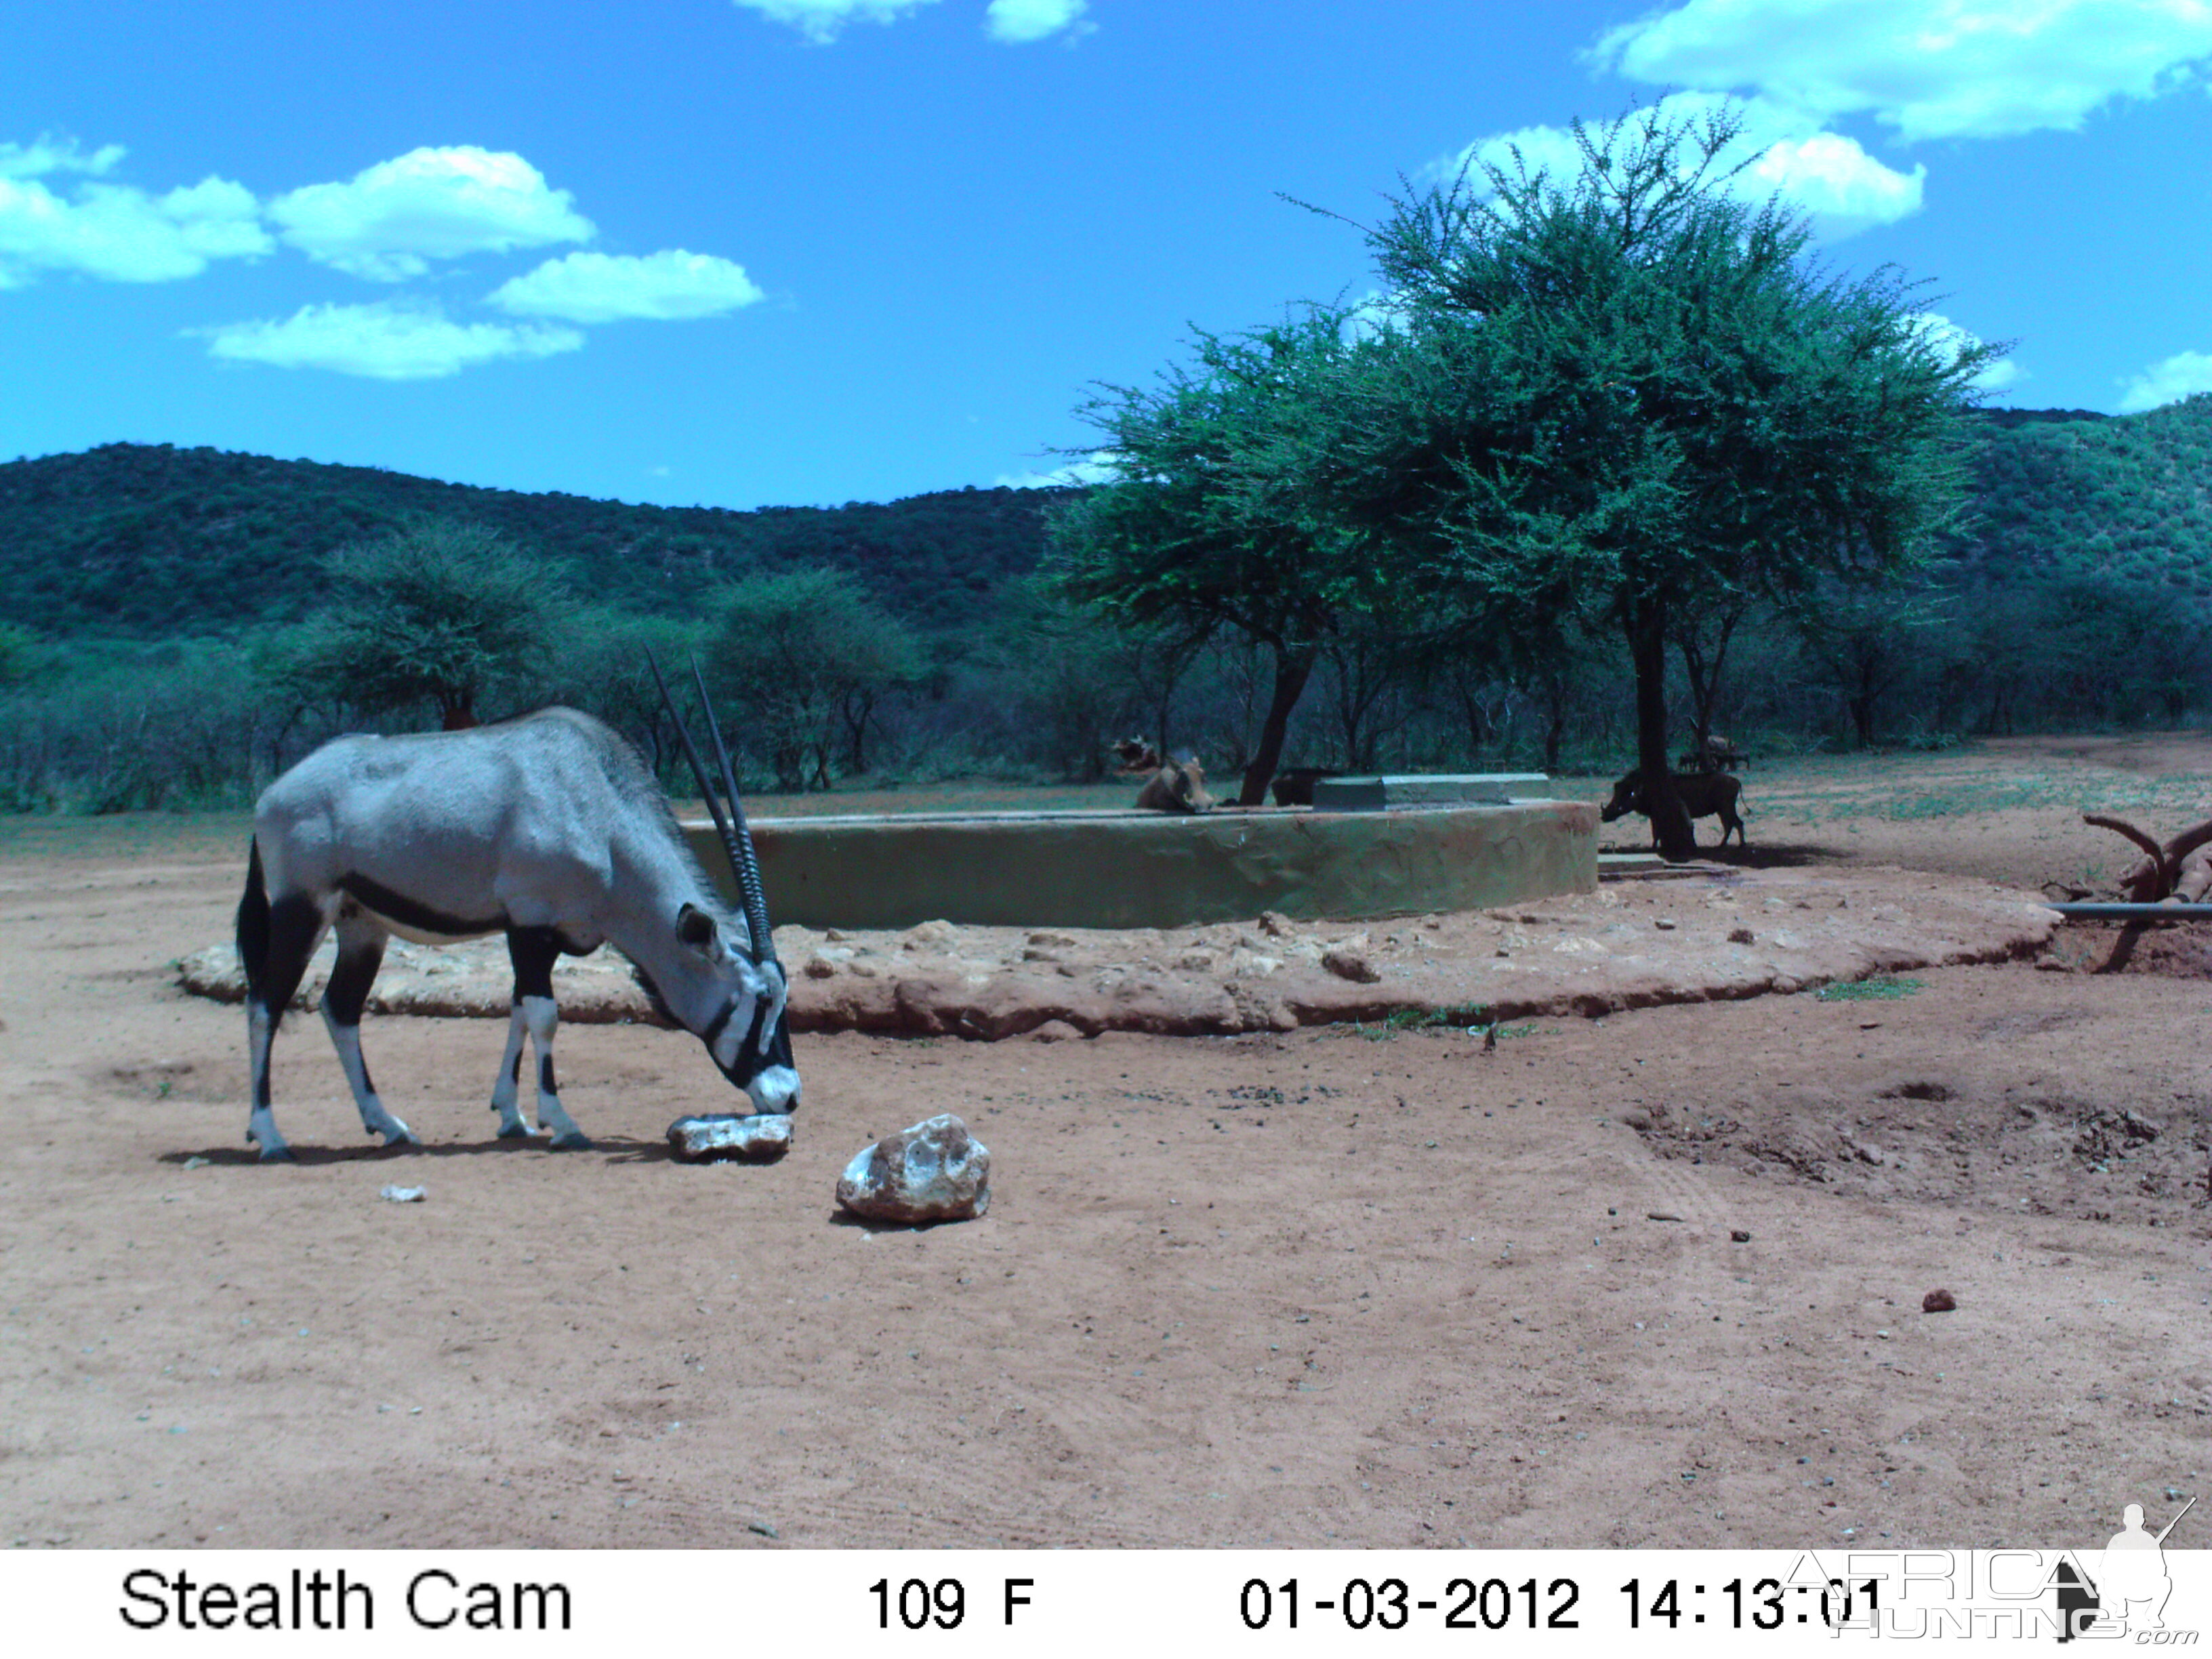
[[516, 1131], [574, 1142], [280, 1154]]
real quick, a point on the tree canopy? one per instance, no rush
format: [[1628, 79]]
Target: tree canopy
[[807, 656], [1620, 395], [439, 613], [1209, 523]]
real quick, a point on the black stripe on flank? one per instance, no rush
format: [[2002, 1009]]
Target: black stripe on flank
[[375, 897]]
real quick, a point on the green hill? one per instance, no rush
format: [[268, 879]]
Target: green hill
[[2064, 494], [146, 541], [149, 541]]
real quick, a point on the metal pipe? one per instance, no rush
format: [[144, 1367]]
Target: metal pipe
[[2116, 912]]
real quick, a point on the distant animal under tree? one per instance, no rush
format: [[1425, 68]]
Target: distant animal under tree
[[1294, 785], [1137, 757], [1702, 794], [1718, 754]]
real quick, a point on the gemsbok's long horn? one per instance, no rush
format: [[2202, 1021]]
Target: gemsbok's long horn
[[746, 870], [742, 857]]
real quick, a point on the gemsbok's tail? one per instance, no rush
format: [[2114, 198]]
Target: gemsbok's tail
[[253, 925]]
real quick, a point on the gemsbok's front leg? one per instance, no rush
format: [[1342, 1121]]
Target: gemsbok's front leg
[[532, 950], [361, 952], [506, 1088]]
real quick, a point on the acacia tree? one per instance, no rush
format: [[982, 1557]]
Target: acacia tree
[[1209, 525], [438, 612], [1625, 396], [809, 655]]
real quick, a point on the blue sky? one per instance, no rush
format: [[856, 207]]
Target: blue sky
[[746, 252]]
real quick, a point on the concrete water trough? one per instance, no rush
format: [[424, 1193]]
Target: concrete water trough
[[1134, 869]]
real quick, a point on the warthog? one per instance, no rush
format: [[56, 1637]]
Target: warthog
[[1719, 755], [1294, 785], [1705, 795], [1177, 787]]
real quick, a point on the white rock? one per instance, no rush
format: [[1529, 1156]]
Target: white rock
[[933, 1171], [405, 1194], [762, 1138]]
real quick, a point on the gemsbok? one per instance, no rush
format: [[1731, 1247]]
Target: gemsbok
[[550, 828]]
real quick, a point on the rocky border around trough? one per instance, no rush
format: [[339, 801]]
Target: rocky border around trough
[[1721, 934]]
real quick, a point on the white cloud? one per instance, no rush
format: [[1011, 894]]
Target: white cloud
[[389, 221], [385, 341], [2182, 375], [122, 234], [1832, 180], [822, 20], [602, 288], [1931, 69], [1375, 313], [1823, 175], [1017, 22], [1102, 467], [1948, 337], [51, 155]]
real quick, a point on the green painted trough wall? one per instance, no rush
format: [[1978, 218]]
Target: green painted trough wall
[[1131, 869]]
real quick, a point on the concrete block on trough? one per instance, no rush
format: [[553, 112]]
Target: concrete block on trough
[[1376, 794]]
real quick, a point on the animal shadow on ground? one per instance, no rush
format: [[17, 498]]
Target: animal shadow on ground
[[614, 1149], [1774, 854], [1767, 855]]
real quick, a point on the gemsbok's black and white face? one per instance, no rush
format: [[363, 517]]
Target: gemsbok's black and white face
[[746, 1023]]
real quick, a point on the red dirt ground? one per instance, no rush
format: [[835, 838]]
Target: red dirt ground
[[1340, 1285]]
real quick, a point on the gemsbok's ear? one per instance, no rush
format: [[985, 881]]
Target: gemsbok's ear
[[695, 928]]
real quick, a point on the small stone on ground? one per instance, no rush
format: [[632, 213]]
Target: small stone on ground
[[762, 1138]]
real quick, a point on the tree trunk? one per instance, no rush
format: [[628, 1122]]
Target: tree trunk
[[1555, 715], [456, 710], [858, 707], [1647, 648], [1478, 729], [1705, 681], [1292, 669]]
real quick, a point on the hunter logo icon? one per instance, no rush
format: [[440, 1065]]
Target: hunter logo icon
[[2131, 1585]]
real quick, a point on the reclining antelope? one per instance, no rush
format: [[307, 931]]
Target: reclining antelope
[[549, 827]]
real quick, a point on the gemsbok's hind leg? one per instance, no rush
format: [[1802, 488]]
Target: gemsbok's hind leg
[[361, 952], [532, 949], [287, 932]]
